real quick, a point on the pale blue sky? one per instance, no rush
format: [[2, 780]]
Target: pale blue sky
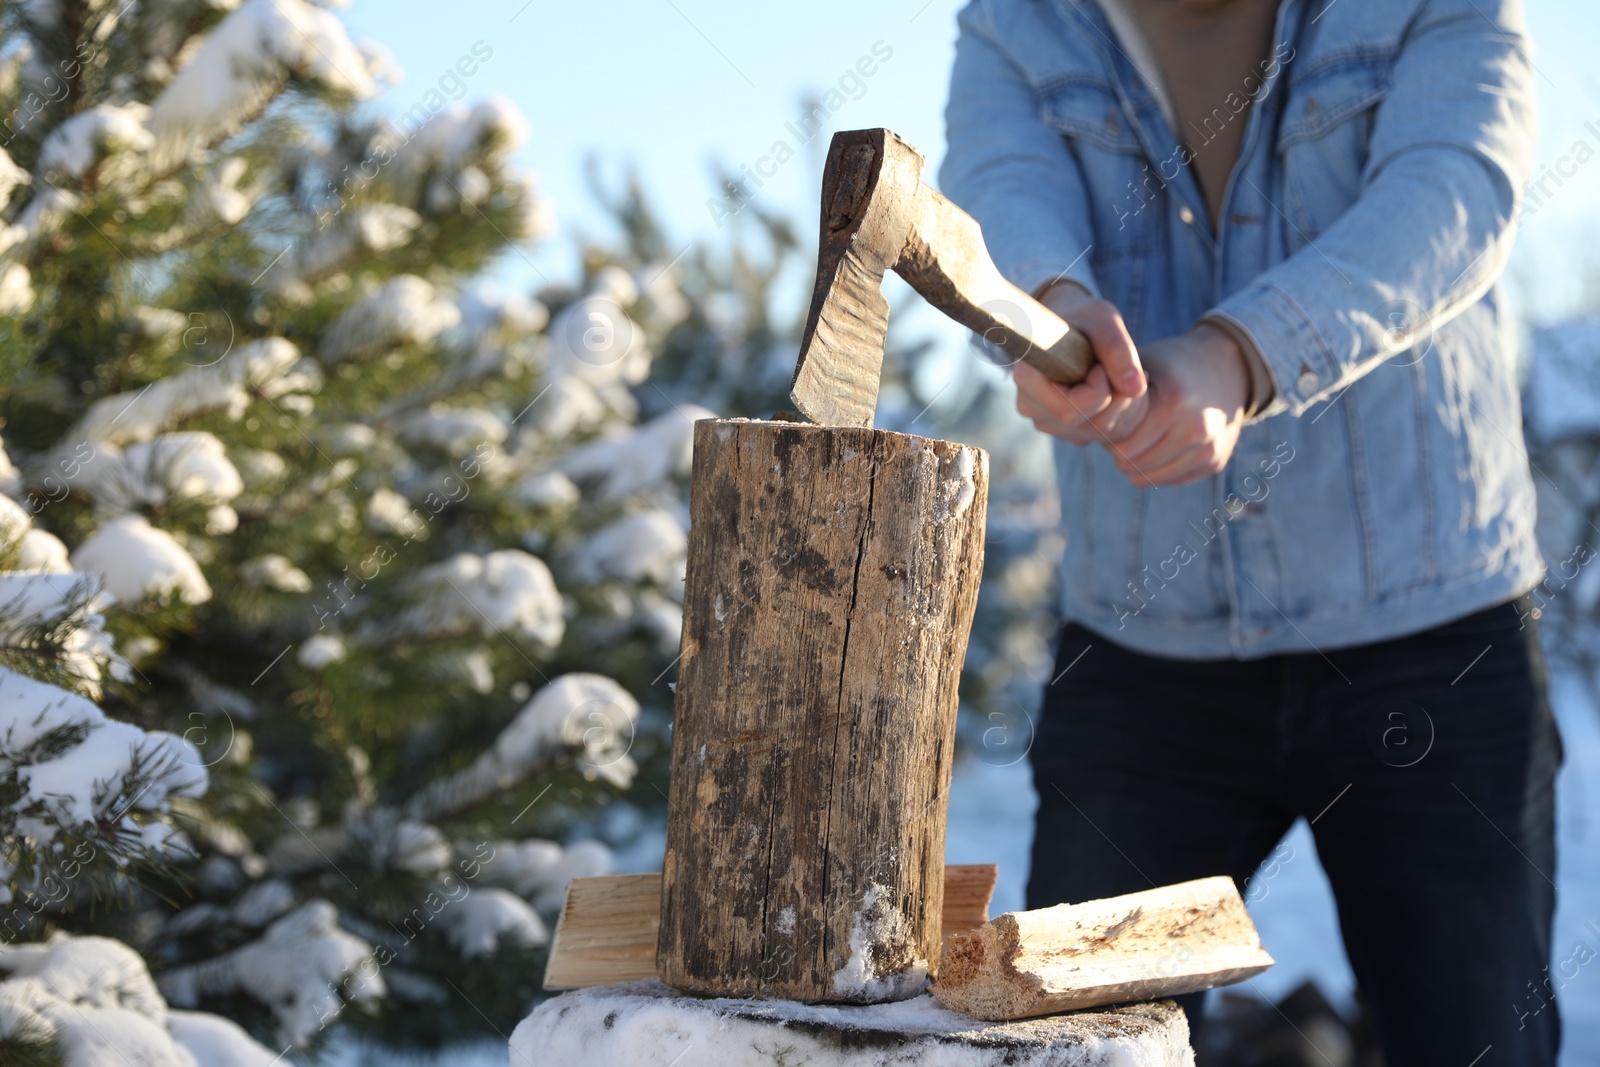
[[668, 86]]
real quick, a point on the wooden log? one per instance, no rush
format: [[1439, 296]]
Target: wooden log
[[608, 926], [832, 577], [1158, 943]]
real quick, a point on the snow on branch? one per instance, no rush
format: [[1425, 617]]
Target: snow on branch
[[136, 560], [172, 467], [540, 870], [296, 968], [264, 369], [645, 457], [74, 772], [454, 430], [443, 150], [489, 919], [11, 176], [648, 545], [247, 59], [103, 131], [92, 1000], [503, 593], [50, 630], [76, 767], [406, 310], [586, 711]]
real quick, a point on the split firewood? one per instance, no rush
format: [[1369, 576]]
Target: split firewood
[[607, 932], [608, 927], [1157, 943]]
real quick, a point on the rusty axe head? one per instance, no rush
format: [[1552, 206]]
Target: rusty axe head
[[879, 215]]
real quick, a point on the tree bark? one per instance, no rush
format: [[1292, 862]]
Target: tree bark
[[832, 577]]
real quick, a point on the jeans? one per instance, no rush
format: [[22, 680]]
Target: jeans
[[1425, 766]]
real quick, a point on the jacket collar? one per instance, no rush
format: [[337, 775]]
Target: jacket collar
[[1142, 108]]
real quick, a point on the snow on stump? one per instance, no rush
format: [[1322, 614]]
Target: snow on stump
[[645, 1023], [832, 576]]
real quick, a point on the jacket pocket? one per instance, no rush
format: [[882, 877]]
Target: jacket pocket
[[1089, 112], [1324, 133], [1089, 117]]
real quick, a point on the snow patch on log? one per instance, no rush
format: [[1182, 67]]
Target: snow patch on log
[[965, 488], [878, 924]]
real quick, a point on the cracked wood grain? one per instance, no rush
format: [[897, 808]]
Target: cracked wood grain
[[832, 577]]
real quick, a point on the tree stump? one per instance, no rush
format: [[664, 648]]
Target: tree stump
[[644, 1024], [832, 577]]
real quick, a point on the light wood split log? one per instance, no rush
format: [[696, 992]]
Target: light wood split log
[[608, 927], [1157, 943]]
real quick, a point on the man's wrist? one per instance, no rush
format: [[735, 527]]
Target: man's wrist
[[1231, 365], [1261, 390]]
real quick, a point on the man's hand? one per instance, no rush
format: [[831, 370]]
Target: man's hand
[[1199, 386], [1107, 405]]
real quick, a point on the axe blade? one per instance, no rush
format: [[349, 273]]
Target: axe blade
[[879, 215], [841, 353]]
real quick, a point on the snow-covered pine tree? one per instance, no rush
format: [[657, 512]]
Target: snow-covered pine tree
[[396, 557], [86, 809]]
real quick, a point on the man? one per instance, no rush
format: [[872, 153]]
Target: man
[[1299, 516]]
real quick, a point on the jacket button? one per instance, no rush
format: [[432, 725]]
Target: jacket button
[[1308, 381], [1186, 215]]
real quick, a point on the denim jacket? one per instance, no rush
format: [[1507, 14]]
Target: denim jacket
[[1386, 488]]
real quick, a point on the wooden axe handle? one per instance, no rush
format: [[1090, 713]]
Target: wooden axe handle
[[946, 262]]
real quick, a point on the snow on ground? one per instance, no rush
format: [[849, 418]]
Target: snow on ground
[[1577, 870]]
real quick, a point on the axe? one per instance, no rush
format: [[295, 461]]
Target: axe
[[878, 215]]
